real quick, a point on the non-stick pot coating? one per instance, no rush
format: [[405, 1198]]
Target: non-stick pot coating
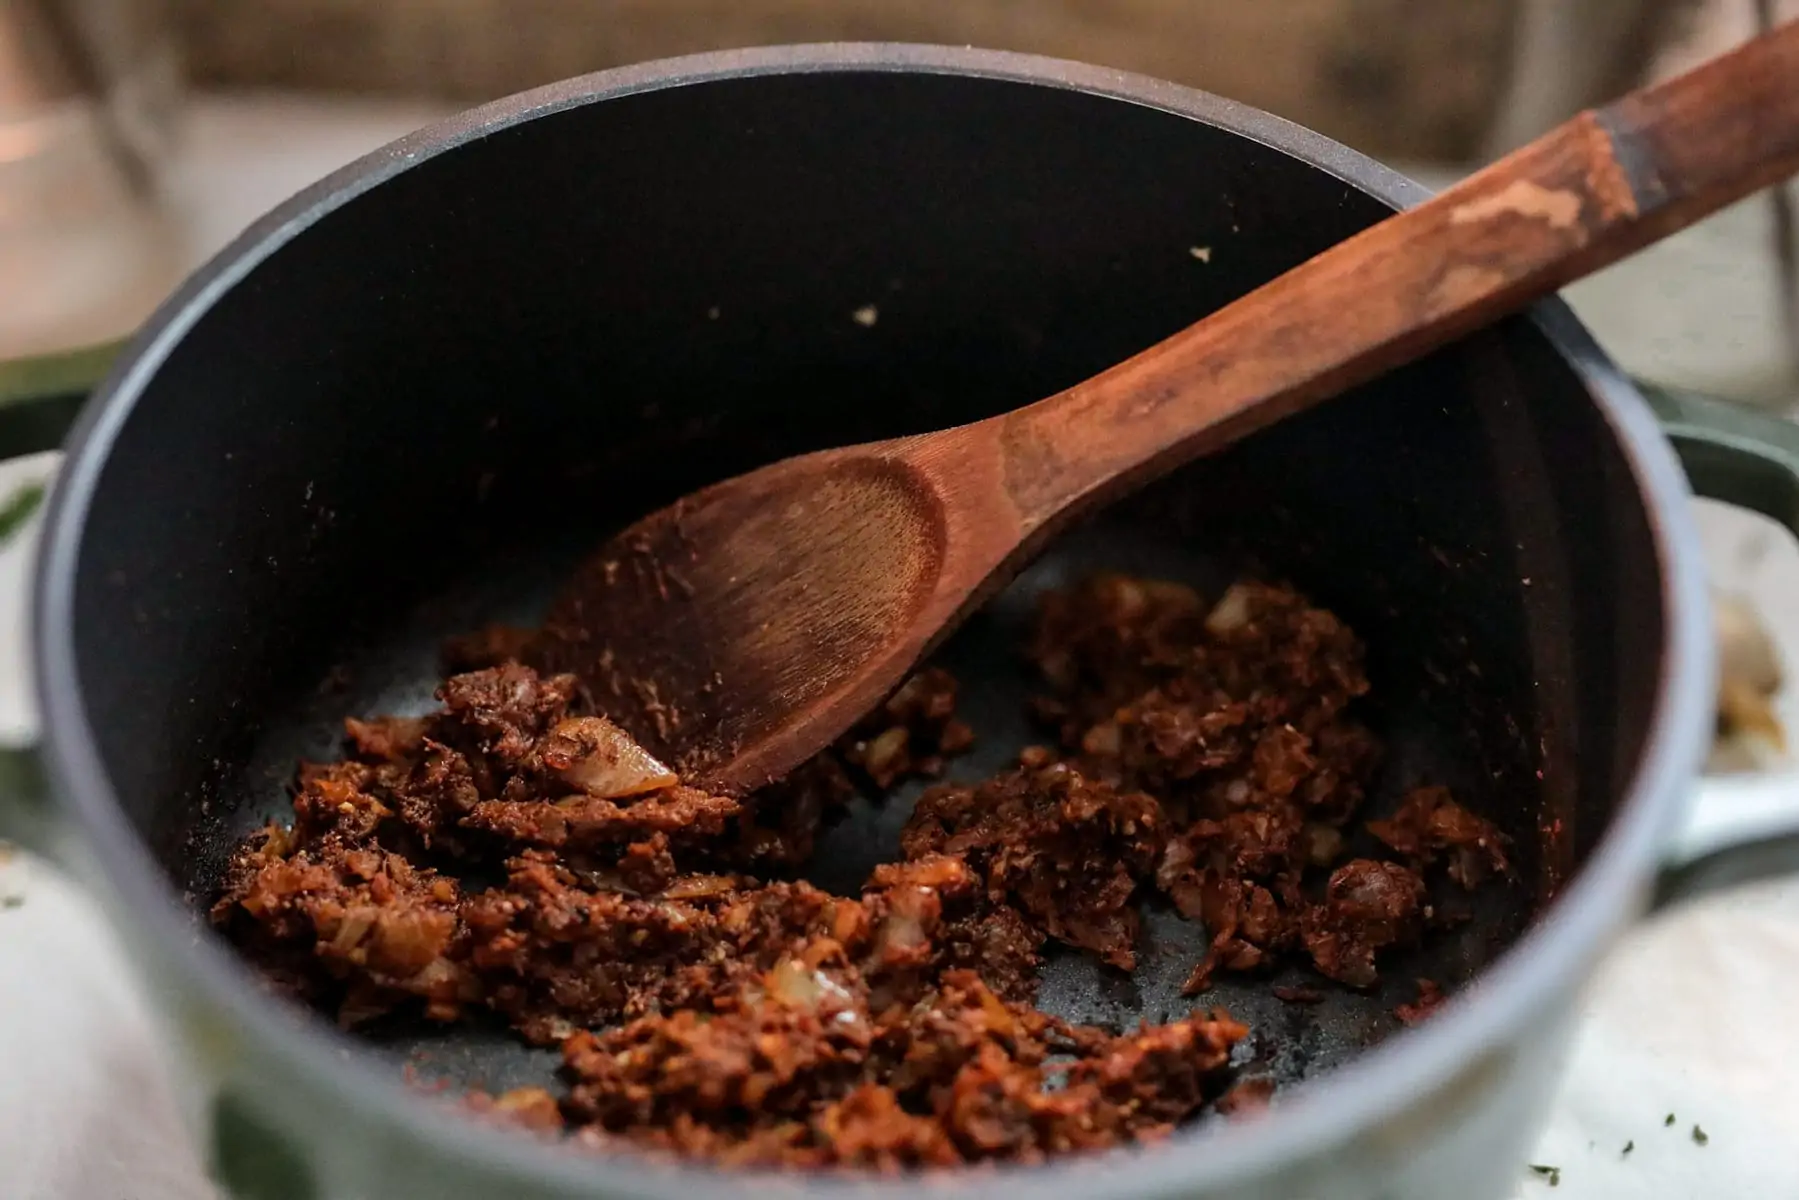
[[412, 416]]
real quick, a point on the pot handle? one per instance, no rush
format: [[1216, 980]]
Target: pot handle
[[39, 398], [1740, 828]]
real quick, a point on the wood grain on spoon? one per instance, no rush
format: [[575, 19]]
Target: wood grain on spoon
[[741, 630]]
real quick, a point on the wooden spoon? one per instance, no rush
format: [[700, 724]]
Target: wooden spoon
[[744, 628]]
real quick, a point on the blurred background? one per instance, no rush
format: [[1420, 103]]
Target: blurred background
[[137, 135]]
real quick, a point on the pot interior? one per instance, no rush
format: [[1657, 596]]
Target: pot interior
[[413, 416]]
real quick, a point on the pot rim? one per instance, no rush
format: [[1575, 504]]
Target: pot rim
[[1535, 975]]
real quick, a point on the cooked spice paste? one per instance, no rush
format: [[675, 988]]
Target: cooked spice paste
[[708, 1005]]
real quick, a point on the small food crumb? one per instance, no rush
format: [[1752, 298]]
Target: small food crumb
[[1247, 1097], [1700, 1137], [712, 313], [1298, 995], [1430, 998], [1552, 1174], [1628, 1147], [1668, 1121], [866, 316], [13, 900], [1202, 253]]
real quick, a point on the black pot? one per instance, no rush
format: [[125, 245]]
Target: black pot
[[399, 404]]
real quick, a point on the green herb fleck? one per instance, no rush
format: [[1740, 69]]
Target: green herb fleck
[[18, 509], [1552, 1174], [1668, 1122], [1700, 1137], [1628, 1147], [13, 901]]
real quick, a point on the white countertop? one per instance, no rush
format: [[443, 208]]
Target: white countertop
[[1689, 1016]]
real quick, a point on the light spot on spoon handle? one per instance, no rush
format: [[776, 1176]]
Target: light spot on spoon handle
[[1559, 209]]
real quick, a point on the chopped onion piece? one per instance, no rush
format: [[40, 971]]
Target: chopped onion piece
[[1323, 844], [793, 982], [350, 931], [698, 887], [900, 931], [601, 759], [1231, 613]]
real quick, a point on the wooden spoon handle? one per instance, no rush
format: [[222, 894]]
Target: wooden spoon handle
[[1581, 197]]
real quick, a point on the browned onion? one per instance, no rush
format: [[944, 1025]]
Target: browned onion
[[601, 759], [1231, 613], [699, 887]]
